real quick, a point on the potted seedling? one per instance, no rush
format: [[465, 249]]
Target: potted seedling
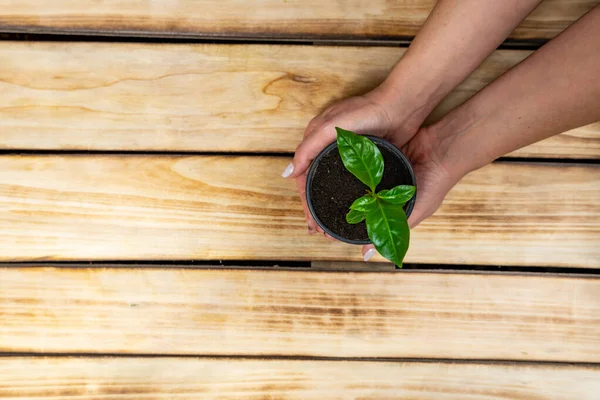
[[360, 190]]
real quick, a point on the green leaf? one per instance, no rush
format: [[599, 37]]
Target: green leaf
[[388, 231], [355, 216], [361, 157], [398, 195], [364, 203]]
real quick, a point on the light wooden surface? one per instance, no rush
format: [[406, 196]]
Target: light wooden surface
[[288, 313], [296, 19], [205, 378], [136, 207], [204, 97], [188, 332]]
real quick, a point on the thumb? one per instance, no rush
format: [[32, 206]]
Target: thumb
[[310, 148], [425, 206], [416, 216]]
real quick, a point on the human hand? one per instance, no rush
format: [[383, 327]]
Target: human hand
[[435, 177], [375, 113]]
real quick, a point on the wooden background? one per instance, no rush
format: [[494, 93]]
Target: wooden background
[[149, 248]]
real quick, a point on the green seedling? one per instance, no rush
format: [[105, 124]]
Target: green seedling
[[382, 211]]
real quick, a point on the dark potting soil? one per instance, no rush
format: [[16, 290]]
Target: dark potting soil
[[334, 189]]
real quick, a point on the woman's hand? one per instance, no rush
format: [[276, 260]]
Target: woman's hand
[[371, 114], [435, 177]]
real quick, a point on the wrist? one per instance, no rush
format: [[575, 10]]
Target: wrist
[[408, 95], [460, 148]]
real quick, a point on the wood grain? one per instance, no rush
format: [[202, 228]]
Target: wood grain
[[204, 97], [287, 313], [205, 378], [293, 19], [83, 207]]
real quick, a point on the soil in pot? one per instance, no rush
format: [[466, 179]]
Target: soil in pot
[[334, 188]]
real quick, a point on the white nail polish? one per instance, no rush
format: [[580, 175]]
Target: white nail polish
[[369, 254], [288, 170]]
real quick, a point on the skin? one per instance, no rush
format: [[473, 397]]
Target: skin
[[548, 93]]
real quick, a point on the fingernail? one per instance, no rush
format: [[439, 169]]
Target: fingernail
[[369, 254], [288, 170]]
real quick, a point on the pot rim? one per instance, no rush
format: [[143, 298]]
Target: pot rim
[[379, 142]]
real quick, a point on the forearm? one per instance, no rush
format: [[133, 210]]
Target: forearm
[[457, 36], [554, 90]]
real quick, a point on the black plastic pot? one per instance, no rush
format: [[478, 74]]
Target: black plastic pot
[[388, 150]]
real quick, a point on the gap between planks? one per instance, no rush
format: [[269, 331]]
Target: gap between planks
[[315, 266], [9, 35], [275, 358]]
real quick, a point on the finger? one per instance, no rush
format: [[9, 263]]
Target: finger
[[310, 147], [301, 185], [330, 237], [368, 252], [423, 209], [416, 216], [289, 169], [413, 222], [312, 124]]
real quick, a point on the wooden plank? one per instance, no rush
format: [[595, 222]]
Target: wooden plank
[[204, 97], [293, 19], [205, 378], [288, 313], [99, 207]]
